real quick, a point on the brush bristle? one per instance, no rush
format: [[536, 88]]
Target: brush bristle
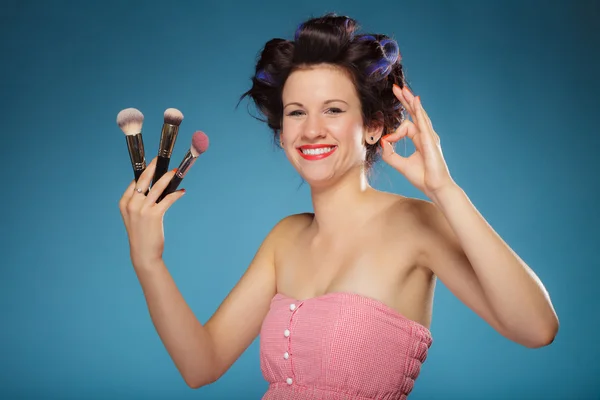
[[130, 120], [173, 116], [199, 143]]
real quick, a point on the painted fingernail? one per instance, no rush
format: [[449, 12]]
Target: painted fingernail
[[383, 138], [389, 146], [408, 90]]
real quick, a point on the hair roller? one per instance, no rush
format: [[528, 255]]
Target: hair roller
[[350, 25], [364, 38], [265, 77], [391, 50], [298, 30], [379, 70]]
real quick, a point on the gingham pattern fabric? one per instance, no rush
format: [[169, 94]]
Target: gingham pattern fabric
[[340, 346]]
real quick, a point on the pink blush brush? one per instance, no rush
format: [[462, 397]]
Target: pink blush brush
[[199, 146]]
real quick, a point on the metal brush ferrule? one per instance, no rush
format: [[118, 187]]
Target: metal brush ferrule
[[135, 145], [186, 164], [167, 140]]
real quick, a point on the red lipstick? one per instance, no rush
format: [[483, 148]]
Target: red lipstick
[[314, 157]]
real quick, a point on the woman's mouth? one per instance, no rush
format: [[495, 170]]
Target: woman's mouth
[[313, 153]]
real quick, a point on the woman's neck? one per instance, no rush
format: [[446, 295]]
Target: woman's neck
[[336, 206]]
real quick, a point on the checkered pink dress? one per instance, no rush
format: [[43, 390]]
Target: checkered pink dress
[[340, 346]]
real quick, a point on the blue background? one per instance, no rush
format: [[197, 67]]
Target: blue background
[[511, 88]]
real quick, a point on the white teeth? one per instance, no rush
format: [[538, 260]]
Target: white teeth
[[314, 152]]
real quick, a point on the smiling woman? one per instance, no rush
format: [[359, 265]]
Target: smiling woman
[[342, 297], [318, 126]]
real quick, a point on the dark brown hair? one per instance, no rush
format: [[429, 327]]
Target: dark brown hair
[[373, 62]]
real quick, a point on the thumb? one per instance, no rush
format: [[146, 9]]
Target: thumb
[[395, 160]]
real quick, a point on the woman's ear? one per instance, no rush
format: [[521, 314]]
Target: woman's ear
[[375, 129]]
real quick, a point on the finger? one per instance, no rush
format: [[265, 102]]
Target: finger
[[406, 128], [143, 183], [146, 177], [395, 160], [422, 114], [421, 111], [405, 97], [168, 201], [158, 188], [426, 136], [124, 200], [422, 121], [127, 195]]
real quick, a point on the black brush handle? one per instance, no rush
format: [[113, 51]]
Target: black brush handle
[[162, 166], [137, 173], [173, 185]]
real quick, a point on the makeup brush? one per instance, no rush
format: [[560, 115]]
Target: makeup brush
[[168, 136], [130, 120], [199, 146]]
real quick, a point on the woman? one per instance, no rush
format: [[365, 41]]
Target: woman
[[342, 297]]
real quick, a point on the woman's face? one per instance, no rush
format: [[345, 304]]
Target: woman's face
[[323, 129]]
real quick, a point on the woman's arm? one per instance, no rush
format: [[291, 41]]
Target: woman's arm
[[473, 261], [203, 353]]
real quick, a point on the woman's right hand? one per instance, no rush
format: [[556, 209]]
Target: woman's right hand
[[143, 217]]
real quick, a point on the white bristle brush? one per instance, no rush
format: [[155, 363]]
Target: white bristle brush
[[172, 120], [131, 120]]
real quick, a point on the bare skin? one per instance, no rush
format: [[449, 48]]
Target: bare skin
[[360, 240]]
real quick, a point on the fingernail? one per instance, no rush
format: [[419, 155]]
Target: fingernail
[[386, 146], [383, 138], [408, 90]]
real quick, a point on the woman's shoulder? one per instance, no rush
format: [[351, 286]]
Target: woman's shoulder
[[403, 205], [293, 223], [419, 213]]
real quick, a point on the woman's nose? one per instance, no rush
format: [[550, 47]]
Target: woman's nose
[[313, 128]]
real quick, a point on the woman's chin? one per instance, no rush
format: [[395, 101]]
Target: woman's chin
[[318, 179]]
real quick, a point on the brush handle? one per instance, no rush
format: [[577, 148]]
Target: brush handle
[[162, 166], [135, 148], [137, 173], [173, 185]]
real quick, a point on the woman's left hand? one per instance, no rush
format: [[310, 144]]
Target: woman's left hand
[[426, 168]]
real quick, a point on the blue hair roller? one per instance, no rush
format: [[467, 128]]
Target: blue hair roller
[[265, 77], [391, 50], [379, 69], [366, 37], [349, 25], [298, 30]]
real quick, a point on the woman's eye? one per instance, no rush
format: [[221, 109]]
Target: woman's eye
[[295, 113], [334, 110]]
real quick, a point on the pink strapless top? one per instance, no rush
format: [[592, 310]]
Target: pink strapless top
[[340, 346]]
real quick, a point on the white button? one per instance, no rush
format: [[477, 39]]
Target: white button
[[289, 381], [292, 307], [286, 333], [286, 355]]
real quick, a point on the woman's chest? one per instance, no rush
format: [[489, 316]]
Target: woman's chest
[[372, 263]]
